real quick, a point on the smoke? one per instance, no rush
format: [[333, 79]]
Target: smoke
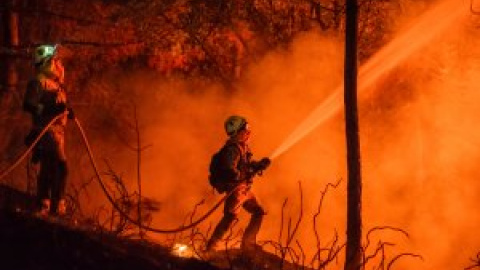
[[419, 149], [418, 137]]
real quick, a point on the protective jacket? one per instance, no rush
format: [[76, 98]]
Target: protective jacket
[[237, 159], [45, 98]]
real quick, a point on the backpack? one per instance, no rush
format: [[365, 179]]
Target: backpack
[[218, 177]]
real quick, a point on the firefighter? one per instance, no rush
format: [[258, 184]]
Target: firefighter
[[238, 171], [45, 99]]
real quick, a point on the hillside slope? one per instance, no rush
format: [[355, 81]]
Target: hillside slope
[[28, 242]]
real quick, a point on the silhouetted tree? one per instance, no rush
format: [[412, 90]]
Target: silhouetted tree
[[354, 184], [11, 39]]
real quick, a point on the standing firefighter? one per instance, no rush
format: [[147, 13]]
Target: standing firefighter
[[46, 99], [232, 170]]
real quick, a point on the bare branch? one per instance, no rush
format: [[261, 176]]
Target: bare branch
[[98, 44], [281, 220], [403, 255], [323, 193], [300, 217], [302, 253], [380, 247], [379, 228], [476, 262], [44, 12], [139, 172], [332, 252]]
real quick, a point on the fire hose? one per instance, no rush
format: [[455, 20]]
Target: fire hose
[[103, 186], [30, 148], [125, 215]]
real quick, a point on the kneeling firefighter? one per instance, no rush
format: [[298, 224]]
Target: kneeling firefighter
[[232, 169], [45, 99]]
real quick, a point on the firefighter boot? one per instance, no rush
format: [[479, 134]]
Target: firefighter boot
[[44, 208], [219, 231], [62, 207], [250, 235]]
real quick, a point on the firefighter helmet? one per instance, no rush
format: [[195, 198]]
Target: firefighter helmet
[[43, 53], [234, 124]]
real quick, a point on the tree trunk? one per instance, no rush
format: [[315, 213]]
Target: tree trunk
[[10, 22], [354, 185]]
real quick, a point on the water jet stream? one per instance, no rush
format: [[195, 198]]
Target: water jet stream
[[433, 22]]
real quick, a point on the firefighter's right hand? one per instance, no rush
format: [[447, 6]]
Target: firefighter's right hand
[[257, 167], [264, 163], [55, 109]]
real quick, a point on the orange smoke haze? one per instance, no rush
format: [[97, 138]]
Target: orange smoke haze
[[418, 137]]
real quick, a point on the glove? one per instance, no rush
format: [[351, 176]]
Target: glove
[[71, 115], [264, 163], [55, 109], [60, 108], [259, 166]]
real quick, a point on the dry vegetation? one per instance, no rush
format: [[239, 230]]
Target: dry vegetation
[[173, 38], [211, 40]]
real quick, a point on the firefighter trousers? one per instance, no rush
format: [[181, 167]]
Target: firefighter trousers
[[242, 197], [52, 175]]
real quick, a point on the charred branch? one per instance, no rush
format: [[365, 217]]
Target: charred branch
[[381, 248], [74, 198], [44, 12], [291, 234], [381, 228], [475, 262], [390, 264], [319, 209]]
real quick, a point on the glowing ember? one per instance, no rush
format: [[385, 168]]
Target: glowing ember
[[182, 250]]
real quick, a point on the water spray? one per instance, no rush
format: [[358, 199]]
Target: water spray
[[417, 36]]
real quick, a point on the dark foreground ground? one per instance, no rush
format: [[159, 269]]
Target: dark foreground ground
[[31, 243]]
